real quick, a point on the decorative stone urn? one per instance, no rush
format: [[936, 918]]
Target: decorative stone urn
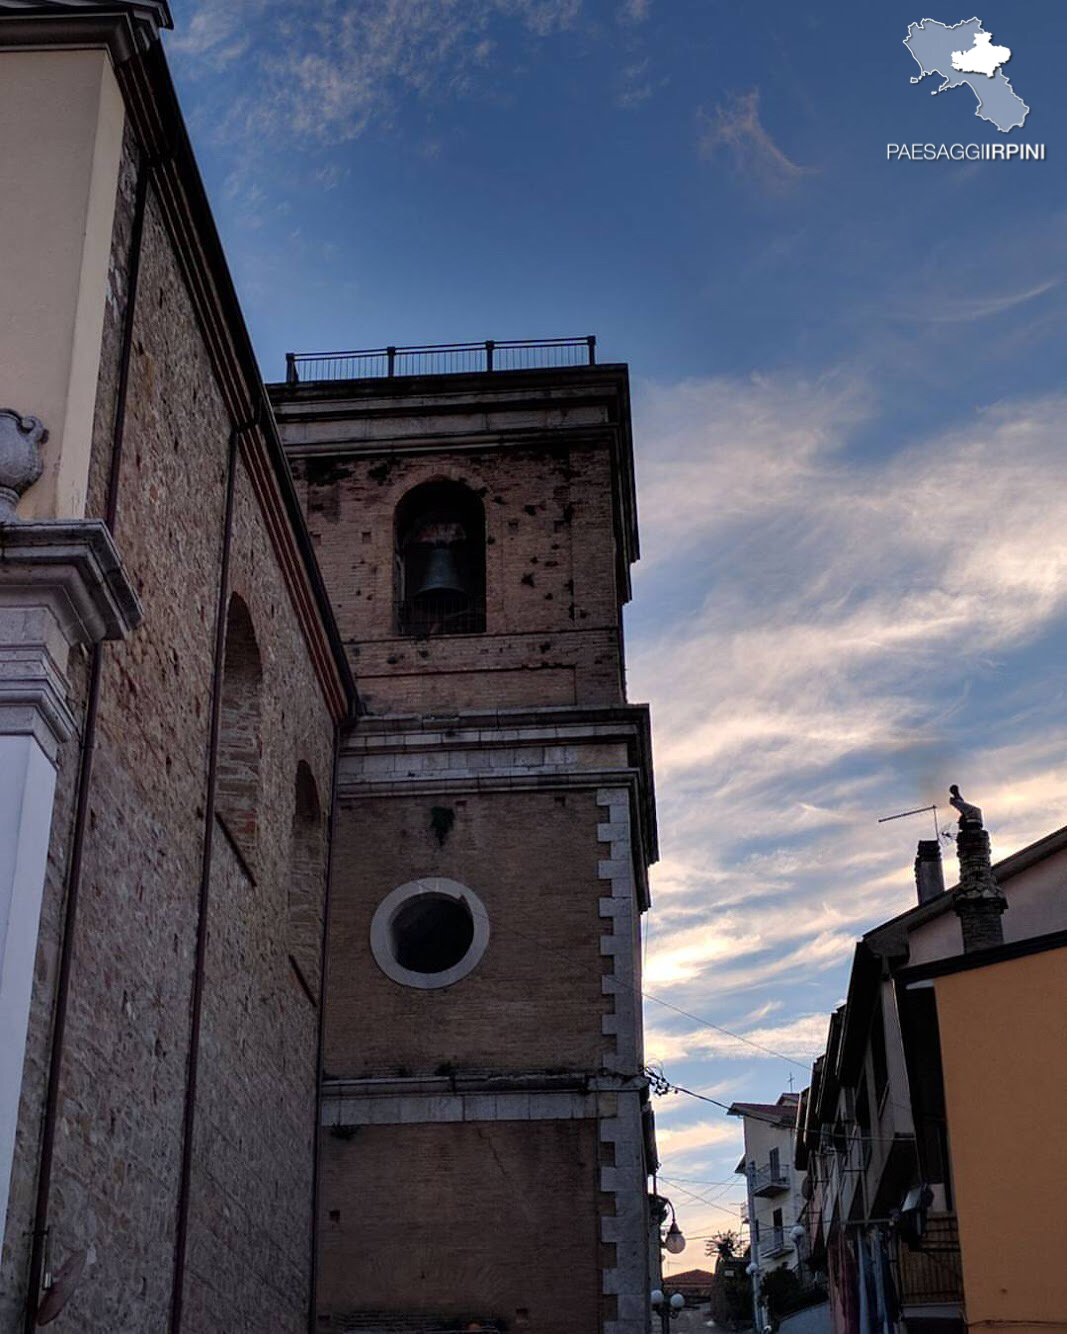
[[20, 458]]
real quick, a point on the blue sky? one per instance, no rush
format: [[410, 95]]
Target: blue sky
[[849, 409]]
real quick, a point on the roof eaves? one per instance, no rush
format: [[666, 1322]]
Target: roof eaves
[[153, 11]]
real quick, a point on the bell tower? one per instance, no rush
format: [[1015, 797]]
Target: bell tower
[[486, 1134]]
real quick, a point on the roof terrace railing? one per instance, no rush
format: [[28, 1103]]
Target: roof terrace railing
[[440, 359]]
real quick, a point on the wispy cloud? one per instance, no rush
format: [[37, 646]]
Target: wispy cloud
[[735, 127], [327, 71], [634, 11], [636, 85], [827, 633], [801, 1037], [830, 634], [963, 309]]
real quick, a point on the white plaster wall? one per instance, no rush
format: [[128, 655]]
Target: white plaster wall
[[760, 1137]]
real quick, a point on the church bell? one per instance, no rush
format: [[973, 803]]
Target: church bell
[[441, 577]]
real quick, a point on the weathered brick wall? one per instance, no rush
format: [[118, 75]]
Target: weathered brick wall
[[413, 1217], [118, 1146], [534, 1002], [552, 625], [250, 1231]]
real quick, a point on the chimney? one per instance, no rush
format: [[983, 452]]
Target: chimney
[[929, 877], [979, 900]]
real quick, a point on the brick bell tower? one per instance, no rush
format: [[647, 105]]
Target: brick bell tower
[[486, 1134]]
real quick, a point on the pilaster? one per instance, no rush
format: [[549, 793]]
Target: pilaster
[[61, 584]]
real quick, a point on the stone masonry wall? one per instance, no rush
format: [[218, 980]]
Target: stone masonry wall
[[414, 1217], [250, 1233], [535, 1000], [118, 1146], [552, 625]]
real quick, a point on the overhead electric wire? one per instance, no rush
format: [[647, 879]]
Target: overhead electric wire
[[669, 1087], [656, 1000]]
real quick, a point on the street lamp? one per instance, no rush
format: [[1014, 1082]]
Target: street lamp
[[755, 1274], [674, 1241], [667, 1308]]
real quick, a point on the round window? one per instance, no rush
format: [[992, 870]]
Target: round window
[[429, 933]]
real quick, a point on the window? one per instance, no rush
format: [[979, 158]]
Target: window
[[240, 747], [440, 561], [307, 874], [432, 933], [429, 933]]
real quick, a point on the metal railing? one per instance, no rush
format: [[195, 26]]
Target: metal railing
[[440, 359], [440, 615], [775, 1241], [768, 1180], [932, 1274]]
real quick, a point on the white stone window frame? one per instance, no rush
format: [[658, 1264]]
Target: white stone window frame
[[381, 932]]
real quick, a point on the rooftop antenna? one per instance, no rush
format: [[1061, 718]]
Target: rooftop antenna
[[920, 810]]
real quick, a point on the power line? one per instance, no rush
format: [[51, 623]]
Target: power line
[[726, 1209], [661, 1086], [737, 1037], [656, 1000]]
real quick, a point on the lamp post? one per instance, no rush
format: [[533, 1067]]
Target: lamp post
[[667, 1308], [755, 1273], [674, 1241]]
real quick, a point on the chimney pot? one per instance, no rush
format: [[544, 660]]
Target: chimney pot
[[979, 899], [929, 875]]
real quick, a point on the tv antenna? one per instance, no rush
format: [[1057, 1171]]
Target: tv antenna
[[919, 810]]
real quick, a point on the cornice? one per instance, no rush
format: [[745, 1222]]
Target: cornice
[[75, 567], [122, 27], [129, 30]]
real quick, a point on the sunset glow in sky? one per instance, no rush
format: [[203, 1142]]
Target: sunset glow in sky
[[849, 407]]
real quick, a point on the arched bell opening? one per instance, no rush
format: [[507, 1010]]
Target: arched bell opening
[[440, 554]]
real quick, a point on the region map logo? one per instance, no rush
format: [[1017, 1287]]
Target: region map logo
[[963, 54]]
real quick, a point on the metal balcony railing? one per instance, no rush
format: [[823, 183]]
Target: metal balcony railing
[[775, 1241], [769, 1180], [931, 1275], [440, 359]]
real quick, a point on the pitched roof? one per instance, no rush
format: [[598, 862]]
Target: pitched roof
[[782, 1113], [701, 1277]]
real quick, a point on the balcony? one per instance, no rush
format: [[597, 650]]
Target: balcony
[[931, 1276], [743, 1211], [523, 354], [775, 1243], [771, 1179]]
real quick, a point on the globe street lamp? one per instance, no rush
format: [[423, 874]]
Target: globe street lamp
[[674, 1241], [667, 1308]]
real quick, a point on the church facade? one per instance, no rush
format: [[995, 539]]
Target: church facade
[[324, 817]]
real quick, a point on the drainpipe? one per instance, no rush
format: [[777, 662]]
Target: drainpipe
[[203, 899], [313, 1286]]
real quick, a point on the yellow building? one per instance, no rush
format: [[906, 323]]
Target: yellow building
[[1002, 1018]]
